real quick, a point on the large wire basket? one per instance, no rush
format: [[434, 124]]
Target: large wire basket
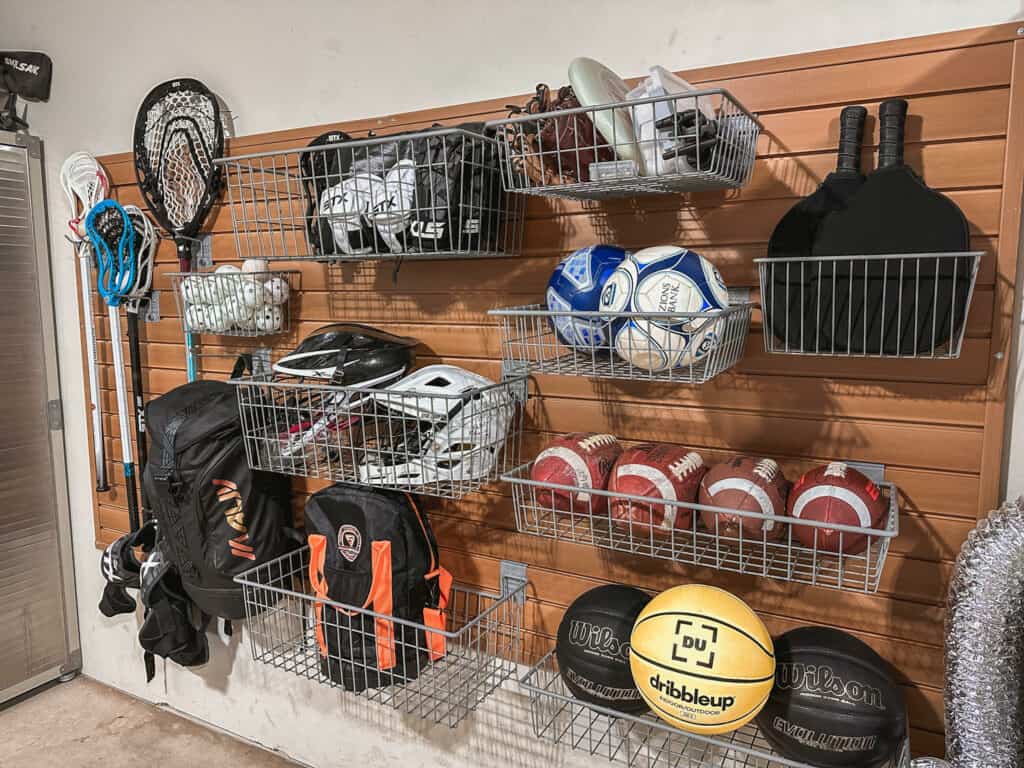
[[247, 304], [689, 348], [443, 674], [437, 445], [642, 741], [708, 536], [702, 140], [902, 305], [427, 194]]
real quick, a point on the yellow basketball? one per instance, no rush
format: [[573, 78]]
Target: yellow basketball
[[703, 661]]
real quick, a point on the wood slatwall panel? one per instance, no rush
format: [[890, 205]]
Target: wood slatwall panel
[[937, 425]]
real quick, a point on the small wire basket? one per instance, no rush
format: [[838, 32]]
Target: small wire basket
[[902, 305], [677, 143], [643, 741], [780, 548], [248, 304], [440, 676], [428, 194], [687, 348], [436, 445]]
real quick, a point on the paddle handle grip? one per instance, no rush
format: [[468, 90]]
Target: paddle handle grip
[[892, 118], [851, 138]]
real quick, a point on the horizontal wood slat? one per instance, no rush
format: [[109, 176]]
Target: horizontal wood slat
[[933, 423]]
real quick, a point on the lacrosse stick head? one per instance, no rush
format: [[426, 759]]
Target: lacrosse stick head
[[178, 135], [146, 242], [112, 237], [85, 183]]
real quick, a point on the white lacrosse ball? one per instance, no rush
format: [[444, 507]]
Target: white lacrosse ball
[[249, 266], [236, 312], [268, 319], [253, 294], [217, 319], [195, 318], [275, 291], [193, 290]]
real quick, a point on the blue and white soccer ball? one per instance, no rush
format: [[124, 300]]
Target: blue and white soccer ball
[[576, 286], [665, 278]]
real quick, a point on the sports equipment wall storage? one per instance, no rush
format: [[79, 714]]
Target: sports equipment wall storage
[[937, 425]]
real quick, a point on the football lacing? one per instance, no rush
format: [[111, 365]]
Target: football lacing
[[684, 466], [766, 469], [835, 469], [596, 441]]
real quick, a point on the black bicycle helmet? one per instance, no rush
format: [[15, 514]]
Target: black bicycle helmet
[[349, 354]]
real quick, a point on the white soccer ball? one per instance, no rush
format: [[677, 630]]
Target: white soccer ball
[[249, 266], [195, 318], [217, 319], [275, 291], [235, 310], [665, 279], [268, 319], [253, 294]]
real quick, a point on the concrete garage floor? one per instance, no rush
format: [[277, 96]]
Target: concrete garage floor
[[83, 724]]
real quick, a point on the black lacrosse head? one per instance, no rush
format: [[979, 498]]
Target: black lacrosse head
[[178, 135]]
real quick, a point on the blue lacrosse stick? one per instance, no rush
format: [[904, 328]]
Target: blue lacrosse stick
[[116, 272]]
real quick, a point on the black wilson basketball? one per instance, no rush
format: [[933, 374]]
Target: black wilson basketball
[[593, 647], [835, 702]]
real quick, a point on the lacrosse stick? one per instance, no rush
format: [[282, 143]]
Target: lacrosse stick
[[145, 245], [113, 241], [178, 135], [85, 184]]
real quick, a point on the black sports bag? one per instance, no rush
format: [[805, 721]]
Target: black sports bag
[[216, 516], [374, 549]]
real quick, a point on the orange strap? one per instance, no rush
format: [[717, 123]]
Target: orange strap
[[317, 553], [433, 618], [380, 598]]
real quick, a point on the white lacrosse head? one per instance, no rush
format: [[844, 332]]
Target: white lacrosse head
[[85, 183], [145, 253]]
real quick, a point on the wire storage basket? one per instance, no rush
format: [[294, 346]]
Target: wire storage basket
[[643, 741], [235, 303], [687, 348], [677, 143], [790, 549], [444, 445], [901, 305], [438, 674], [429, 194]]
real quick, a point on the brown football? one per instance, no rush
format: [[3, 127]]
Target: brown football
[[750, 485]]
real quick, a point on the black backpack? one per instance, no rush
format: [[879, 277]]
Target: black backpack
[[216, 516], [374, 549]]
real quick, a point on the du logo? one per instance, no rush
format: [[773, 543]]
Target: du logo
[[695, 643]]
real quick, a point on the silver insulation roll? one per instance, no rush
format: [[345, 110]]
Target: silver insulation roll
[[985, 645]]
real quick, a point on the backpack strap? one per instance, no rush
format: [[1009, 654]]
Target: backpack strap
[[434, 617], [379, 599]]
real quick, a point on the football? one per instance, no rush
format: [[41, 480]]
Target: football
[[665, 278], [749, 485], [658, 471], [575, 286], [593, 647], [581, 459], [836, 493], [835, 702]]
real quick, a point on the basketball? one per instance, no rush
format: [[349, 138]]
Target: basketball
[[835, 703], [593, 647], [702, 660], [836, 493], [664, 278], [576, 286]]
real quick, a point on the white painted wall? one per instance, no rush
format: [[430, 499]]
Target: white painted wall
[[287, 64]]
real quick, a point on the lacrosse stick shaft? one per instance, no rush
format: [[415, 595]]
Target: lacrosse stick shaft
[[185, 265], [99, 452], [135, 354], [123, 420]]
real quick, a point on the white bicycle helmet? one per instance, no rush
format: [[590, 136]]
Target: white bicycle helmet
[[446, 424]]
